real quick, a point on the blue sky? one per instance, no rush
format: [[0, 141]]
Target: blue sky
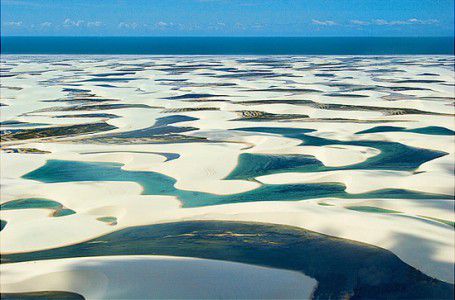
[[227, 17]]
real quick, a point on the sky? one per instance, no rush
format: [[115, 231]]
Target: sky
[[227, 17]]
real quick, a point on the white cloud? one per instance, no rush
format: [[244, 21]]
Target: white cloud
[[324, 22], [46, 24], [423, 22], [163, 24], [382, 22], [94, 24], [13, 23], [71, 23], [79, 23], [413, 21], [361, 23], [131, 25], [188, 27]]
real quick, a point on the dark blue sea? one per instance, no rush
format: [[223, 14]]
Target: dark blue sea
[[228, 45]]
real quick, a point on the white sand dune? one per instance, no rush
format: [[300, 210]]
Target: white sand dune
[[363, 181], [155, 277]]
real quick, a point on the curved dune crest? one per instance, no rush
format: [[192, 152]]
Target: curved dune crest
[[155, 277]]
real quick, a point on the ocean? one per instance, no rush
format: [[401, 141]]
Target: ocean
[[229, 45]]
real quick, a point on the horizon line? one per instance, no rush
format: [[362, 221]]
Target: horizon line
[[217, 36]]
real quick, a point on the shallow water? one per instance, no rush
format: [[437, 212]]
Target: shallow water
[[158, 184], [370, 269], [393, 156]]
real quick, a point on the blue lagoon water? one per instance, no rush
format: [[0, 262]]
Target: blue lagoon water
[[228, 45]]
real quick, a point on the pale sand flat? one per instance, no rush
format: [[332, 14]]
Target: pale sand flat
[[155, 277]]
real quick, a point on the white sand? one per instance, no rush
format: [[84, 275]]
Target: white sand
[[155, 277]]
